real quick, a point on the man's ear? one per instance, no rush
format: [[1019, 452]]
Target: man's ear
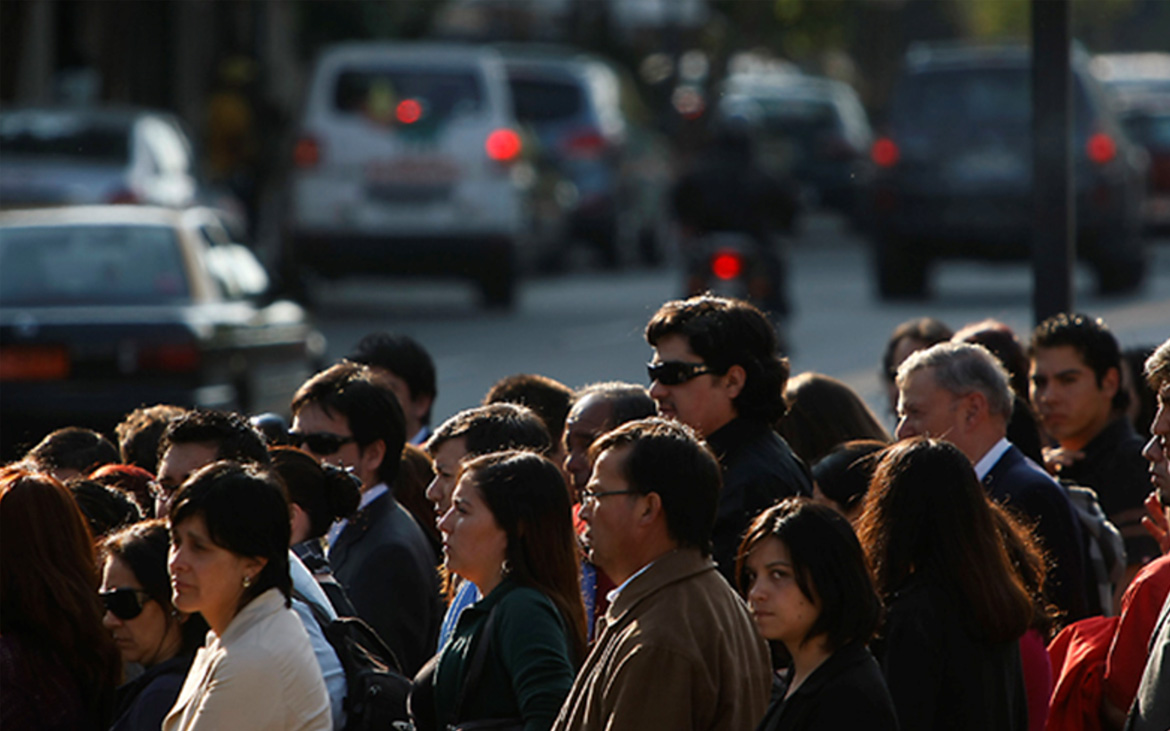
[[975, 407], [371, 457], [1111, 382], [651, 509], [734, 380], [419, 406]]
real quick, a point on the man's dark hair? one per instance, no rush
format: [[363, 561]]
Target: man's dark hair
[[627, 401], [1158, 367], [73, 448], [494, 428], [726, 332], [372, 410], [403, 356], [234, 437], [105, 508], [1091, 339], [549, 398], [924, 329], [140, 431], [828, 565], [668, 458], [246, 511]]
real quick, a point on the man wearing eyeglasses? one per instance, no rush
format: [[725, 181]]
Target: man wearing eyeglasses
[[677, 648], [345, 416], [716, 369]]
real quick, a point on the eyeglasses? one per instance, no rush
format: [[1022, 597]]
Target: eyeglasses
[[591, 497], [672, 373], [322, 443], [125, 603]]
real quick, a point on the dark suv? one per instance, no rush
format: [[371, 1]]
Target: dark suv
[[953, 173]]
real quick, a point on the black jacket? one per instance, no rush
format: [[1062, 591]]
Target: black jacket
[[846, 692], [1024, 486], [759, 470], [386, 566]]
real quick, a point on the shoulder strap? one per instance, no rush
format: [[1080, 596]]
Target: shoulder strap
[[478, 658]]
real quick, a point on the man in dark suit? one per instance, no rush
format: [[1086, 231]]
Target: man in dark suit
[[961, 393], [381, 555]]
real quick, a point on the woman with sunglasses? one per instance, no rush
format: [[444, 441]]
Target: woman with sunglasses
[[229, 527], [804, 576], [146, 627], [58, 665], [514, 653]]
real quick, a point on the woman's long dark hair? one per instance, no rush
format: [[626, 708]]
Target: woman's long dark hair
[[527, 496], [49, 586], [926, 515], [143, 547]]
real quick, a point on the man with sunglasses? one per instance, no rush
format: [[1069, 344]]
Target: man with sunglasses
[[345, 416], [716, 369]]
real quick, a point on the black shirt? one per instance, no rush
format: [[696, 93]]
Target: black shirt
[[846, 692]]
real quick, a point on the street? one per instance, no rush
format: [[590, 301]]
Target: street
[[586, 327]]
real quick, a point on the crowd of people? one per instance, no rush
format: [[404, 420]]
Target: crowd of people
[[729, 548]]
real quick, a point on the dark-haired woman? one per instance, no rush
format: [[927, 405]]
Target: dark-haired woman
[[146, 627], [229, 527], [804, 575], [58, 665], [509, 531], [957, 606]]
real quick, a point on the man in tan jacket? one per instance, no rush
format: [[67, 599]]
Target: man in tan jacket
[[677, 648]]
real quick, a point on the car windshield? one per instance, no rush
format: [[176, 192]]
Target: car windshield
[[90, 265], [802, 119], [964, 99], [378, 92], [545, 101], [64, 136]]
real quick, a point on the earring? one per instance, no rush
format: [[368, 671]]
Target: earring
[[505, 568], [247, 581]]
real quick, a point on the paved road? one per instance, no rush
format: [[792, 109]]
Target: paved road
[[588, 326]]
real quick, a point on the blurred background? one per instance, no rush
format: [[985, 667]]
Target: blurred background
[[533, 149]]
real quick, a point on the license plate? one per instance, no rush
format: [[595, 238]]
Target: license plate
[[33, 363], [411, 179]]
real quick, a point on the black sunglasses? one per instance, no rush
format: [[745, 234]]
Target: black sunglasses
[[322, 443], [124, 603], [672, 373]]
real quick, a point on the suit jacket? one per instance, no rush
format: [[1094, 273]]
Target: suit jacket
[[260, 675], [1022, 485], [387, 568], [677, 650]]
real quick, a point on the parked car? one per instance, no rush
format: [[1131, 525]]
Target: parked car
[[593, 128], [953, 170], [84, 156], [810, 128], [410, 161], [106, 308]]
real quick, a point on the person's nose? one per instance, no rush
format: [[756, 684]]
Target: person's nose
[[586, 512], [904, 430], [1154, 451], [657, 390], [756, 593], [109, 621], [432, 492], [445, 523], [577, 463]]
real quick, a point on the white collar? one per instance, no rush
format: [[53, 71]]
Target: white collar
[[612, 596], [984, 465], [368, 497]]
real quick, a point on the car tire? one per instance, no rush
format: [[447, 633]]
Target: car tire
[[901, 274], [1120, 275], [497, 282]]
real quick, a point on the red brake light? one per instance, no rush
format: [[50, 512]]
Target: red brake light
[[1101, 148], [503, 145], [727, 264], [307, 153], [124, 196], [885, 153], [408, 111], [584, 144], [170, 358]]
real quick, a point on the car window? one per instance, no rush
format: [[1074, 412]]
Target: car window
[[70, 265], [540, 100], [1151, 130], [64, 136], [377, 93]]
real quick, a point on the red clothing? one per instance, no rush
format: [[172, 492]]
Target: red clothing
[[1078, 661], [1139, 613], [1037, 678]]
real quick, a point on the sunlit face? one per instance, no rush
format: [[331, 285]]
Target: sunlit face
[[179, 462], [610, 518], [446, 460], [474, 543], [1157, 450], [1072, 407], [205, 577], [925, 409], [588, 420], [781, 610], [704, 402], [151, 637]]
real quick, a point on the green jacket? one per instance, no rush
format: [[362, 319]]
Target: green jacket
[[528, 669]]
